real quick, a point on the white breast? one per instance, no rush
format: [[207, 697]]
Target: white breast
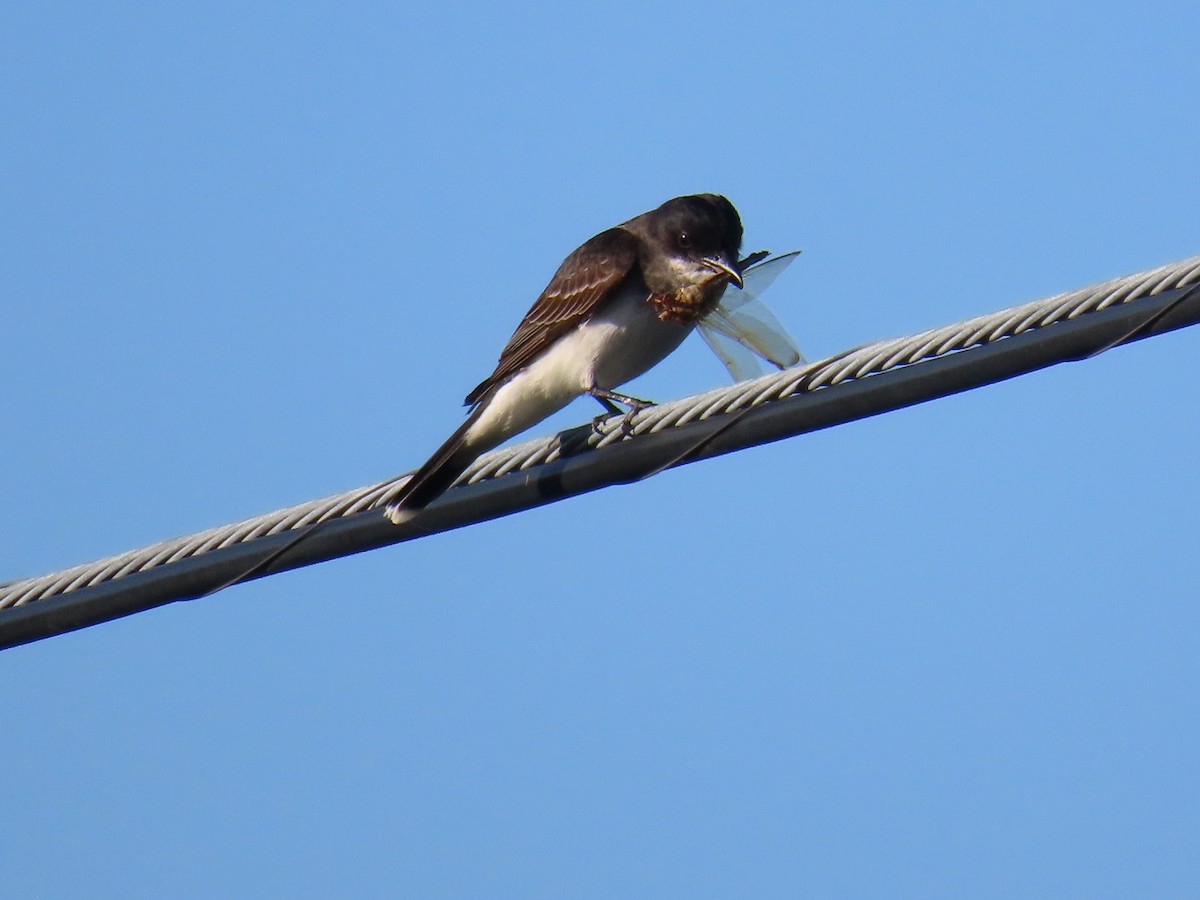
[[613, 347]]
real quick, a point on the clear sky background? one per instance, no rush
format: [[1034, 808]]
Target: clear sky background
[[257, 253]]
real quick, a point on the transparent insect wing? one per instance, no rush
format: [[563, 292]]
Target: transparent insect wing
[[756, 328], [741, 363], [742, 323], [761, 275]]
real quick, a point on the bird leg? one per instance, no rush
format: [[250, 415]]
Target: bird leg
[[609, 400]]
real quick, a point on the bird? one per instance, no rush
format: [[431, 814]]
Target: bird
[[617, 306]]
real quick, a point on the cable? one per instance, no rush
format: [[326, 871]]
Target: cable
[[860, 382]]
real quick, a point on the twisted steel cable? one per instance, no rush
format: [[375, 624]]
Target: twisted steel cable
[[873, 378]]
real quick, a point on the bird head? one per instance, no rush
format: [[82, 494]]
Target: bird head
[[689, 241]]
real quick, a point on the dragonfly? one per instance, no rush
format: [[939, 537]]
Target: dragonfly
[[741, 330]]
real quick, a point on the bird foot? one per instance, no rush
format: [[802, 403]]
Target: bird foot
[[634, 405]]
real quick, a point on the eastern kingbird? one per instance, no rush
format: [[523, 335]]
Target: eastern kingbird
[[617, 306]]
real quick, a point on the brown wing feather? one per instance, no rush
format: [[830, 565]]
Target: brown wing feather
[[577, 289]]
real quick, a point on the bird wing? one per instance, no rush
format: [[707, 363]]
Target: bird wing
[[578, 289]]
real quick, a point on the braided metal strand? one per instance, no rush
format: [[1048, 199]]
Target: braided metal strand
[[856, 365]]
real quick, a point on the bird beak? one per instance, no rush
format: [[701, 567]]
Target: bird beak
[[720, 264]]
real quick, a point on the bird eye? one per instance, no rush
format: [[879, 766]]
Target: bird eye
[[685, 240]]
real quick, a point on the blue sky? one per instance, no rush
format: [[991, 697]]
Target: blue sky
[[258, 253]]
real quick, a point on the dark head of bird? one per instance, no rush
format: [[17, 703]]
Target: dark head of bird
[[689, 253]]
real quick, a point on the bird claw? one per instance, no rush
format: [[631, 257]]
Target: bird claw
[[626, 425], [627, 419], [606, 399]]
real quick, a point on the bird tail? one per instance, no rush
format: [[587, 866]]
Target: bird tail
[[439, 471]]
